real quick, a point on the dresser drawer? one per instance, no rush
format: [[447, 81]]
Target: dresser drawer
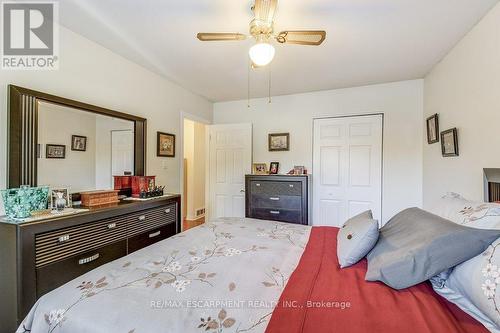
[[150, 237], [144, 221], [292, 216], [276, 188], [276, 201], [54, 275], [57, 245]]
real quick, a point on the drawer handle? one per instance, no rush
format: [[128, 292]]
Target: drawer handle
[[167, 210], [155, 234], [274, 212], [88, 259], [291, 185], [274, 199], [63, 239], [111, 226], [257, 185], [142, 217]]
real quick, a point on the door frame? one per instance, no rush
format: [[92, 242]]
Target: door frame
[[381, 223], [198, 119]]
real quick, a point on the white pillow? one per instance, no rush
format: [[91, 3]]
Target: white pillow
[[356, 238], [482, 215]]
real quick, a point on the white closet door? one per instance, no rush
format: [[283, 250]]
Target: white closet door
[[230, 159], [347, 168]]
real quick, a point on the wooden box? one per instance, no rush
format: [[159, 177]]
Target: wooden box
[[122, 182], [99, 198]]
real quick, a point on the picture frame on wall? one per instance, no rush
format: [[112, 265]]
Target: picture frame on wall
[[165, 145], [433, 129], [449, 143], [78, 143], [259, 169], [279, 142], [55, 151], [274, 168]]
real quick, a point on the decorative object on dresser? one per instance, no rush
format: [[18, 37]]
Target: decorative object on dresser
[[274, 168], [56, 193], [278, 198], [279, 142], [40, 256], [55, 151], [99, 198], [165, 145], [299, 170], [433, 129], [20, 203], [449, 142], [142, 184], [259, 169], [78, 143]]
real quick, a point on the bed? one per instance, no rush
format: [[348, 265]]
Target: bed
[[241, 275]]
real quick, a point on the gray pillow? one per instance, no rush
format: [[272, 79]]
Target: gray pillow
[[416, 245], [356, 238]]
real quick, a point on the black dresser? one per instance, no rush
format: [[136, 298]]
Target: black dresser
[[37, 257], [278, 198]]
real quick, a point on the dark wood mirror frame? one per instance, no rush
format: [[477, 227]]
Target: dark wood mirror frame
[[23, 133]]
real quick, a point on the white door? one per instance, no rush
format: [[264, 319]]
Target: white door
[[230, 159], [122, 152], [347, 168]]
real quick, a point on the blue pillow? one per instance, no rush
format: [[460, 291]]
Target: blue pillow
[[356, 238]]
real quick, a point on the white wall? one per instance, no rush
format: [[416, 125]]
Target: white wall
[[194, 153], [464, 88], [56, 125], [92, 74], [400, 102]]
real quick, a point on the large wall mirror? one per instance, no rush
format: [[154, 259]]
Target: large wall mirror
[[68, 144]]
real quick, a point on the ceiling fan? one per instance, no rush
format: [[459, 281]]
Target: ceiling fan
[[262, 29]]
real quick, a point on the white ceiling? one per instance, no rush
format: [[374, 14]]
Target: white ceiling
[[367, 41]]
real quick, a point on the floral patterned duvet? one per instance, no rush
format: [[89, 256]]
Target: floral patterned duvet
[[224, 276]]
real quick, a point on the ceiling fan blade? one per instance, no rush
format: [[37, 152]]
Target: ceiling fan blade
[[265, 10], [213, 36], [302, 37]]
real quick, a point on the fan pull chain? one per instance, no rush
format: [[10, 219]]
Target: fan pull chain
[[270, 100], [248, 83]]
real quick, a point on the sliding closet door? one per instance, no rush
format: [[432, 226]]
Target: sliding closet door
[[347, 168]]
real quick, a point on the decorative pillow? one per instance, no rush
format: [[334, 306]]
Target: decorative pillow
[[474, 286], [356, 238], [473, 214], [416, 245]]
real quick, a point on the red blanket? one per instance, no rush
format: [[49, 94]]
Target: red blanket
[[321, 297]]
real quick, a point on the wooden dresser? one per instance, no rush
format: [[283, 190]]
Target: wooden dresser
[[37, 257], [278, 198]]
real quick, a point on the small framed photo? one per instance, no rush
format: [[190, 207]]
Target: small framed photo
[[433, 129], [298, 170], [449, 142], [274, 168], [165, 145], [78, 143], [55, 151], [279, 142], [65, 194], [259, 169]]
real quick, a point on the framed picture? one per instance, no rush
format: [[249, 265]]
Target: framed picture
[[449, 142], [433, 129], [259, 169], [53, 197], [55, 151], [279, 142], [165, 145], [78, 143], [298, 170], [274, 168]]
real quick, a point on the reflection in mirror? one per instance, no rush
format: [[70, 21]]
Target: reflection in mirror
[[81, 150]]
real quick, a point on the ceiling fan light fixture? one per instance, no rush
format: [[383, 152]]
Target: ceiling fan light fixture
[[262, 53]]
